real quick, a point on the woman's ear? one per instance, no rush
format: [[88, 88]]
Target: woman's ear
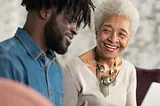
[[45, 14], [96, 32]]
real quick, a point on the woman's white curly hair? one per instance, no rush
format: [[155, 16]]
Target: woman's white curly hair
[[117, 7]]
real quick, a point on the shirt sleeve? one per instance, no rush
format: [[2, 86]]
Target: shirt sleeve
[[131, 94], [9, 70], [70, 89]]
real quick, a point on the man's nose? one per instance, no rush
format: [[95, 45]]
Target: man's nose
[[74, 29]]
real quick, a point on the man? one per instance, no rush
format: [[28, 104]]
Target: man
[[29, 57]]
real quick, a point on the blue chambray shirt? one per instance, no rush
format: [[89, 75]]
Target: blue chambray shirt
[[21, 59]]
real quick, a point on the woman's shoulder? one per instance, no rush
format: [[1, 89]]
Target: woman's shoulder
[[74, 62], [81, 60], [128, 70], [127, 64]]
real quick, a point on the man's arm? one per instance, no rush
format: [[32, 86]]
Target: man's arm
[[9, 69]]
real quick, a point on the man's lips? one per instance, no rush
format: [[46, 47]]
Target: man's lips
[[69, 38]]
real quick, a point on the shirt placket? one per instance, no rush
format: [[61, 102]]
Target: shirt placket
[[48, 63]]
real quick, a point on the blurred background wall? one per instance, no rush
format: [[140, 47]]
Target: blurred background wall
[[142, 50]]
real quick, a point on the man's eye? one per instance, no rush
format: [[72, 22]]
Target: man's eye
[[72, 20], [69, 20]]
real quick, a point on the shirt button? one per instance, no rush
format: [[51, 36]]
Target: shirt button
[[50, 93], [42, 55], [49, 56]]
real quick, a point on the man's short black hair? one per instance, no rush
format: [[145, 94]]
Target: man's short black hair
[[77, 9]]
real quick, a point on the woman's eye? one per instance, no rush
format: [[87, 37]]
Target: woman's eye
[[122, 35], [106, 31]]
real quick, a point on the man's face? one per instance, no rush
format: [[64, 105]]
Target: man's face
[[59, 32]]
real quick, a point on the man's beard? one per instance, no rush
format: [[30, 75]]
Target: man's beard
[[53, 38]]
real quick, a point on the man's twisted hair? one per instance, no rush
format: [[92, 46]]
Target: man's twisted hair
[[79, 10]]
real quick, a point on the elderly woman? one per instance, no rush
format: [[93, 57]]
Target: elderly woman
[[101, 76]]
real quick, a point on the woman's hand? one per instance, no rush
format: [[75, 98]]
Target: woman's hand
[[85, 103]]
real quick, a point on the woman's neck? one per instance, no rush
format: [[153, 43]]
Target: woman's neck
[[109, 63]]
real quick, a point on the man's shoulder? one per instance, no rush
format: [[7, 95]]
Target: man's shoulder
[[9, 50], [9, 45], [2, 51], [4, 57]]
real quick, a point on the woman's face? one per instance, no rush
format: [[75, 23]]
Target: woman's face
[[113, 37]]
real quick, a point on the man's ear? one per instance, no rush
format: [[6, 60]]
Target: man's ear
[[45, 14]]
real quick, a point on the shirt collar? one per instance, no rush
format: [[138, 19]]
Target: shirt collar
[[30, 45]]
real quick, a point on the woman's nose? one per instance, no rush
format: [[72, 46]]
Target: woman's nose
[[114, 37]]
